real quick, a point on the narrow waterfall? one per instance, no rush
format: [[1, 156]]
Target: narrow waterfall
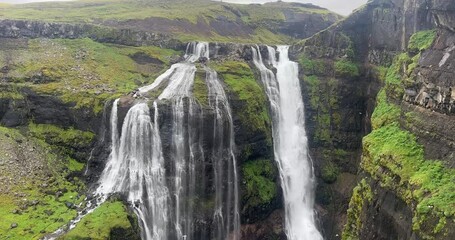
[[290, 141], [162, 185], [223, 158]]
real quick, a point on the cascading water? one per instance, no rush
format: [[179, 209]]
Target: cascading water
[[224, 158], [136, 167], [164, 198], [290, 142]]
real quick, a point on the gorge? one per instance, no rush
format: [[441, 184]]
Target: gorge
[[208, 120]]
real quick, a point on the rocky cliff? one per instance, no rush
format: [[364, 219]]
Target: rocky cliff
[[379, 111]]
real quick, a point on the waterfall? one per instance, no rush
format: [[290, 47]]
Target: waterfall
[[290, 142], [163, 195], [224, 158], [137, 169]]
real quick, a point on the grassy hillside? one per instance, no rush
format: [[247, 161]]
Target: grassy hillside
[[80, 70], [195, 19]]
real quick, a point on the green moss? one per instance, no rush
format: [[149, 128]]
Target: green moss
[[101, 222], [313, 90], [330, 172], [39, 210], [384, 112], [63, 137], [10, 92], [241, 82], [393, 81], [200, 90], [414, 63], [421, 40], [346, 68], [380, 72], [323, 96], [394, 157], [74, 166], [314, 66], [259, 179], [361, 195]]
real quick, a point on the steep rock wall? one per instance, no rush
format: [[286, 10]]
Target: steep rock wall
[[362, 45]]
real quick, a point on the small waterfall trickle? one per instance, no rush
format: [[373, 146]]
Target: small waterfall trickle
[[290, 142], [224, 158], [162, 186]]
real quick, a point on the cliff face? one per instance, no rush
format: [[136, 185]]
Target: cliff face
[[390, 63]]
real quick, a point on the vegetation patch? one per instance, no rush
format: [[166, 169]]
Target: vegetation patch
[[317, 67], [346, 68], [393, 80], [384, 112], [10, 92], [104, 222], [361, 196], [241, 83], [330, 172], [394, 157], [259, 178], [421, 40], [200, 90], [54, 135], [323, 97]]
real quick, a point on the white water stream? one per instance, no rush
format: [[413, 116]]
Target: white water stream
[[290, 142]]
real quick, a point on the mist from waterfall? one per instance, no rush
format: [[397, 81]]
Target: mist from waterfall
[[290, 141], [160, 186]]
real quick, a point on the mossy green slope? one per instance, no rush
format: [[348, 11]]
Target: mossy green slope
[[37, 194], [69, 138], [259, 177], [82, 71], [108, 221]]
